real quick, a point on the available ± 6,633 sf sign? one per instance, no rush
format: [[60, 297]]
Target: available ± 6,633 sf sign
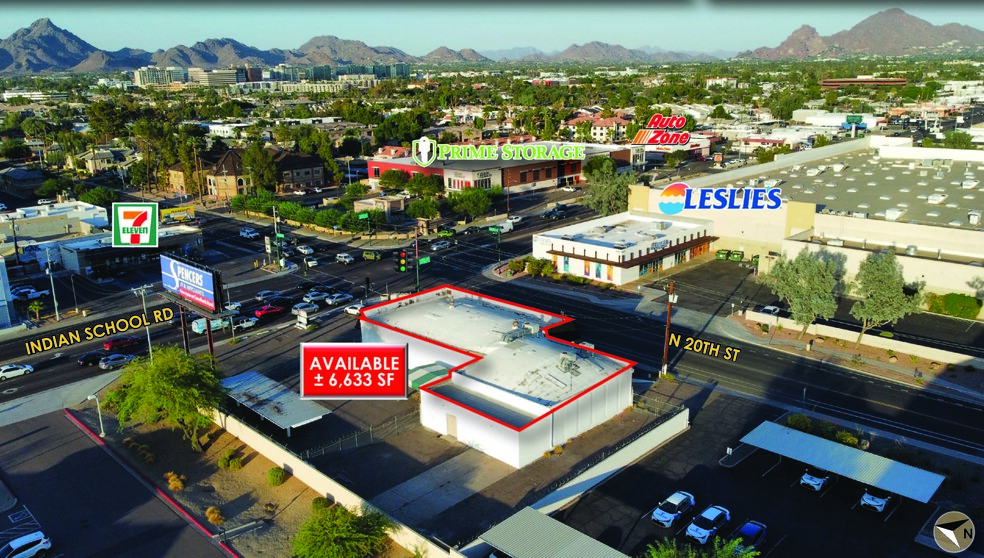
[[353, 371]]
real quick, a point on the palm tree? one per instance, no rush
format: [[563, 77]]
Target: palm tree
[[36, 307]]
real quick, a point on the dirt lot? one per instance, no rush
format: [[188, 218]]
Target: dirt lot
[[243, 496]]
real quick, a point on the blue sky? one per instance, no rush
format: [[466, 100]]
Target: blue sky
[[418, 28]]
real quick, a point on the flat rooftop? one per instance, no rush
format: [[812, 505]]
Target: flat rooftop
[[929, 192], [103, 240], [77, 208], [518, 359], [626, 230]]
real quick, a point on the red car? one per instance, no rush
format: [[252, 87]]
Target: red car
[[120, 342], [268, 310]]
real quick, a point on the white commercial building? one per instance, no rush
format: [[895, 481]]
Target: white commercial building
[[621, 248], [491, 376]]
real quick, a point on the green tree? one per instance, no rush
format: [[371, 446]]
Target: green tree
[[472, 201], [337, 532], [177, 389], [36, 306], [806, 284], [821, 141], [479, 123], [394, 179], [351, 147], [602, 164], [425, 185], [951, 140], [928, 142], [720, 549], [259, 166], [54, 186], [608, 193], [719, 112], [16, 149], [103, 197], [424, 208], [881, 292], [448, 137]]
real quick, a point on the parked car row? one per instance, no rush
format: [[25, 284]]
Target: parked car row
[[709, 524]]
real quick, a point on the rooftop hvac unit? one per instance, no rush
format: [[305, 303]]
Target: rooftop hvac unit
[[974, 217], [859, 214], [893, 214], [835, 242]]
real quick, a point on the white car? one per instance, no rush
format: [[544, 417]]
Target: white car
[[234, 307], [440, 245], [115, 361], [344, 259], [30, 293], [707, 524], [515, 219], [14, 370], [355, 309], [875, 499], [306, 250], [246, 323], [247, 232], [310, 261], [771, 310], [306, 307], [262, 296], [314, 296], [814, 479], [337, 298], [28, 546], [569, 189], [45, 201], [672, 508], [299, 192]]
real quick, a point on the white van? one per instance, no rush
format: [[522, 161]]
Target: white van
[[198, 326], [504, 227]]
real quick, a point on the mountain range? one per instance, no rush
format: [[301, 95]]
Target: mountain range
[[888, 33], [45, 47]]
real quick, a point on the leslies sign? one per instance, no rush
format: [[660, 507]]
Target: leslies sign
[[353, 371]]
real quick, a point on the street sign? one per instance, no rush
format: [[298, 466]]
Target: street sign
[[494, 230], [280, 235], [424, 260], [854, 119], [268, 244], [363, 216]]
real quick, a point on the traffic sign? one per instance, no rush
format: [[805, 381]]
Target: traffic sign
[[424, 260], [854, 119], [280, 235], [363, 216]]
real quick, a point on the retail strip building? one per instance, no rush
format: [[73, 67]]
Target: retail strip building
[[491, 376]]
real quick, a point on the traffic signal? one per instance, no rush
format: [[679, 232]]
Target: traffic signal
[[401, 262]]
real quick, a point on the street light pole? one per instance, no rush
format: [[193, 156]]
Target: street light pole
[[416, 257], [52, 277], [102, 431], [671, 298], [75, 296], [142, 293]]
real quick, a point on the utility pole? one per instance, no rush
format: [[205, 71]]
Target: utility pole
[[52, 277], [276, 235], [416, 256], [142, 293], [671, 298]]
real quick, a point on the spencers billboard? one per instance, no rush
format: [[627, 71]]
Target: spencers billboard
[[194, 283]]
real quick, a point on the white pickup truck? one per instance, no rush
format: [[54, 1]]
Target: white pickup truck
[[248, 232], [29, 293]]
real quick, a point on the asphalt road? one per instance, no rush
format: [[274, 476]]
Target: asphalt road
[[846, 395]]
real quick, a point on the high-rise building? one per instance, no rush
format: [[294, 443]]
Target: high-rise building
[[151, 75], [210, 78], [319, 73]]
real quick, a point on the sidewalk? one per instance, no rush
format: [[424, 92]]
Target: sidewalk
[[728, 327]]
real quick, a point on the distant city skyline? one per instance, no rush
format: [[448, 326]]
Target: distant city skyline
[[697, 26]]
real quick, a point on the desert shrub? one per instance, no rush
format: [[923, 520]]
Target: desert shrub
[[223, 461], [175, 482], [764, 328], [235, 464], [913, 359], [214, 516], [847, 438], [558, 450], [890, 352], [799, 422], [320, 503], [826, 430], [951, 367], [516, 266], [130, 443], [276, 476], [547, 454], [955, 304], [886, 334], [114, 397]]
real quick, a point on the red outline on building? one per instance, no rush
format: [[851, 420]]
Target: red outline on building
[[476, 358]]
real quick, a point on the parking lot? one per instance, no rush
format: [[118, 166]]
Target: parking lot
[[799, 522], [86, 503]]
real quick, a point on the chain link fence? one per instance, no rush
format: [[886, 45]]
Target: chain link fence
[[372, 435]]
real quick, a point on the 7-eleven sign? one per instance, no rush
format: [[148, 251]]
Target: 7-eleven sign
[[134, 225]]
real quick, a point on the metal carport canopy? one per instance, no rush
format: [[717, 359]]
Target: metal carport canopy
[[873, 470], [531, 534], [273, 401]]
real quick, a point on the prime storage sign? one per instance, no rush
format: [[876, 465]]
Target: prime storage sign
[[425, 151], [194, 284], [353, 371], [134, 225]]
